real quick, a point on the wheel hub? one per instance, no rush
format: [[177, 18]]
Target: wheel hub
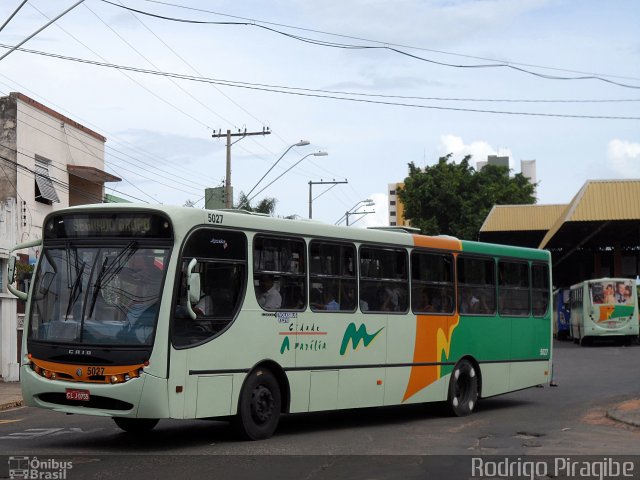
[[262, 404]]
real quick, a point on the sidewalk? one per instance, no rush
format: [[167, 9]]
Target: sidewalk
[[626, 412], [10, 395]]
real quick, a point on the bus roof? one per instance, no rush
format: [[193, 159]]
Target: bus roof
[[185, 218]]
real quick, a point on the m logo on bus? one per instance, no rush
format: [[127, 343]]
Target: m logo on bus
[[355, 336]]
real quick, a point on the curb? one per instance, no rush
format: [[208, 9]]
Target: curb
[[10, 405], [627, 412]]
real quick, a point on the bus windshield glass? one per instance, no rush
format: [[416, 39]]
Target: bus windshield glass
[[97, 295], [613, 292]]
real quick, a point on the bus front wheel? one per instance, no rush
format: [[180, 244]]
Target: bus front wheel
[[136, 425], [259, 406], [463, 389]]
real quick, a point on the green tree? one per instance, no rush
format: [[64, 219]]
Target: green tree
[[267, 205], [454, 199]]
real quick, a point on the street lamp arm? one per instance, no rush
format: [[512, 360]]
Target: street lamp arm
[[363, 215], [315, 154], [301, 143]]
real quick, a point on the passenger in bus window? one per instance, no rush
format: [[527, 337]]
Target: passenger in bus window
[[385, 299], [444, 301], [204, 306], [423, 302], [268, 295], [330, 302]]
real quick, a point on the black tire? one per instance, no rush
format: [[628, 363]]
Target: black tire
[[259, 406], [463, 389], [136, 425], [585, 341]]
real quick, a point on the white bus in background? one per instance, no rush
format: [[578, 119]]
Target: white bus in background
[[605, 307]]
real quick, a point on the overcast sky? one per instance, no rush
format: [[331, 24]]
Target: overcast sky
[[159, 129]]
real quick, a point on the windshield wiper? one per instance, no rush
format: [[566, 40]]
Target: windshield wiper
[[76, 288], [106, 274]]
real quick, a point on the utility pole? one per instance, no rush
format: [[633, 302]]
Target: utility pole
[[228, 189], [333, 183]]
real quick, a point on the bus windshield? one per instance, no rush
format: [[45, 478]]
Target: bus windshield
[[97, 295]]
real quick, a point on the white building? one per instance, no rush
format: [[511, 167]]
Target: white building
[[47, 162]]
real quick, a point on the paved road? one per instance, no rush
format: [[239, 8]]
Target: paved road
[[567, 420]]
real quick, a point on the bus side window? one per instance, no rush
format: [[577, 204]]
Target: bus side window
[[279, 273], [431, 282], [384, 280], [222, 266], [332, 276], [476, 285]]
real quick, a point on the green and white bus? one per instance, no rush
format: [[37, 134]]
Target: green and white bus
[[604, 307], [141, 313]]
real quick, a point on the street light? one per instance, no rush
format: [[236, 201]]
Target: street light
[[301, 143], [367, 202], [315, 154]]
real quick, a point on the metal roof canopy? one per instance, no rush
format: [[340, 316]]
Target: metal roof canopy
[[92, 174]]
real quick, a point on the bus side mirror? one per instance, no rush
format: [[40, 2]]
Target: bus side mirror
[[193, 288], [11, 277]]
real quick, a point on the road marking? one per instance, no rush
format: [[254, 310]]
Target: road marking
[[42, 432], [2, 422]]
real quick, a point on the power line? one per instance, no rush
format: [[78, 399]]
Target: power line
[[380, 47], [306, 92], [218, 90], [381, 42], [13, 14], [100, 158], [41, 28], [162, 99], [202, 104], [65, 186], [126, 144], [128, 76], [86, 147]]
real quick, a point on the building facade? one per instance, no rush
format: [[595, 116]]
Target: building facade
[[47, 162], [396, 207]]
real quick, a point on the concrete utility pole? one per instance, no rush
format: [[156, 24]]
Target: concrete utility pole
[[228, 189], [333, 183]]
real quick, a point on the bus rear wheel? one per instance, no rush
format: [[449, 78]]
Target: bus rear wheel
[[136, 425], [463, 389], [259, 406]]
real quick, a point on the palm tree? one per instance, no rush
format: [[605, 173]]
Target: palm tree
[[267, 205]]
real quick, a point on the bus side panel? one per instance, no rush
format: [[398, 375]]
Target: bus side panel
[[495, 378], [368, 383], [397, 379], [299, 383], [531, 338], [154, 402], [401, 340], [214, 394], [323, 394], [528, 374]]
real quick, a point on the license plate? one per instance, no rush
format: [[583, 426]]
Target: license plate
[[73, 394]]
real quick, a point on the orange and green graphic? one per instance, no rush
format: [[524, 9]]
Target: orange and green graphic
[[433, 343], [613, 312], [355, 336], [433, 333]]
